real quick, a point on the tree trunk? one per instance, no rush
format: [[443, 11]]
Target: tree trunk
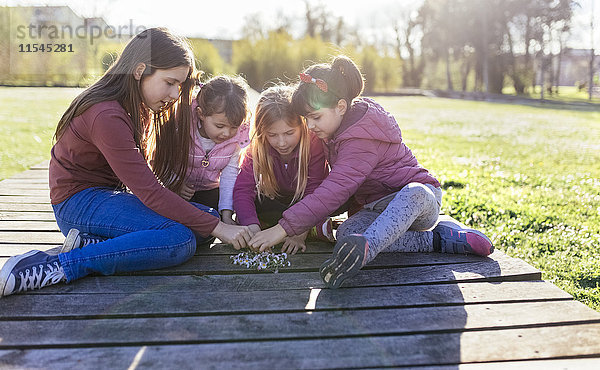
[[448, 71], [466, 69]]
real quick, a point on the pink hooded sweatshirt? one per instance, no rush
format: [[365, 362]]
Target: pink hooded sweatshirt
[[368, 161], [205, 168]]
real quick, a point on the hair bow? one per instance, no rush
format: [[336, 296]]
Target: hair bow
[[317, 81]]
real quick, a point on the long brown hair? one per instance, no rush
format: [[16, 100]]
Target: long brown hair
[[344, 81], [164, 137], [274, 105]]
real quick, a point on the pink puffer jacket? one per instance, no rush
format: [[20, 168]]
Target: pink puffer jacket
[[368, 161]]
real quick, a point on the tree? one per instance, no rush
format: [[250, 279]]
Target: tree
[[406, 29]]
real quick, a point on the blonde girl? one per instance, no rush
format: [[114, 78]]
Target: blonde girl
[[284, 163]]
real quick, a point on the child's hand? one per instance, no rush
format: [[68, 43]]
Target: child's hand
[[238, 236], [265, 239], [186, 192], [227, 217], [254, 228], [293, 244]]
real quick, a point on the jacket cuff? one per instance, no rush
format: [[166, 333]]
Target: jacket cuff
[[287, 227]]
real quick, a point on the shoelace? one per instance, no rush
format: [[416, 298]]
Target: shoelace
[[36, 280], [87, 239]]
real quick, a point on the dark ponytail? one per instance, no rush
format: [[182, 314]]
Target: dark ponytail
[[350, 76], [343, 79]]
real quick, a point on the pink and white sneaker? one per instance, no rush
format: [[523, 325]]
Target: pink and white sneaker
[[323, 232], [450, 237]]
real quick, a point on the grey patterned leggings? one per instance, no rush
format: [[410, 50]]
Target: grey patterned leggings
[[397, 222]]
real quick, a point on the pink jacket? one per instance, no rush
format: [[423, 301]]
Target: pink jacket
[[205, 169], [368, 161]]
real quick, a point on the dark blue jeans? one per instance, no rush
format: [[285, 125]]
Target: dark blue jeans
[[138, 238]]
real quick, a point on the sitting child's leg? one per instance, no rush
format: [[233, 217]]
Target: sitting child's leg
[[449, 236], [415, 206], [413, 202], [411, 241]]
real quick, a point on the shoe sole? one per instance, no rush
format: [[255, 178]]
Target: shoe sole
[[69, 242], [345, 262], [9, 266], [453, 226]]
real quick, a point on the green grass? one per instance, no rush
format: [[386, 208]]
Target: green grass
[[567, 94], [28, 119], [528, 176]]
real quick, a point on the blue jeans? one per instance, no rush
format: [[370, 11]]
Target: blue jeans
[[138, 238]]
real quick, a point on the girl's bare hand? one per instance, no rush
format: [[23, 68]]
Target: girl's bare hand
[[238, 236], [265, 239], [186, 192]]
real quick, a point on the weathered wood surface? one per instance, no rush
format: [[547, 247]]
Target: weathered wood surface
[[429, 310]]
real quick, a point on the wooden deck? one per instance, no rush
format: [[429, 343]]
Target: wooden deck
[[430, 310]]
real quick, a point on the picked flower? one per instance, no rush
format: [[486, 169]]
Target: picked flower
[[261, 261]]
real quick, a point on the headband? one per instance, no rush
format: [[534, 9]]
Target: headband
[[321, 84]]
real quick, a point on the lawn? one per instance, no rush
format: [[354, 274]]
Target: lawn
[[528, 176], [28, 119], [569, 94]]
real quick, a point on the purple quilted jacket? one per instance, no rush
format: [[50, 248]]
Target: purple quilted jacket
[[368, 161]]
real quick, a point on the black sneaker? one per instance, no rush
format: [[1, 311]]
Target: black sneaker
[[32, 270], [349, 256], [77, 239]]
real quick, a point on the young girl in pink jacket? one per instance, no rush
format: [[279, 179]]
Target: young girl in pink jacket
[[284, 163], [371, 164], [219, 132]]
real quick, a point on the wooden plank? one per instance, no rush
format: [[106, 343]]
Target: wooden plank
[[28, 199], [25, 182], [32, 237], [25, 192], [41, 166], [251, 282], [399, 268], [373, 274], [28, 226], [32, 174], [318, 324], [374, 351], [571, 363], [26, 216], [162, 300], [25, 207]]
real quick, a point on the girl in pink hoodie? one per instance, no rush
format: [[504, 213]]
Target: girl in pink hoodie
[[219, 131], [370, 164]]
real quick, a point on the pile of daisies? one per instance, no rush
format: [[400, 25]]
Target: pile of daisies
[[261, 261]]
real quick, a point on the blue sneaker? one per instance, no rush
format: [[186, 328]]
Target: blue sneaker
[[451, 237], [77, 239], [32, 270], [349, 256]]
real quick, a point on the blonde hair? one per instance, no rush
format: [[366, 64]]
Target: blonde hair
[[274, 105]]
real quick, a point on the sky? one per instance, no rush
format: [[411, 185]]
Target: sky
[[224, 18]]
